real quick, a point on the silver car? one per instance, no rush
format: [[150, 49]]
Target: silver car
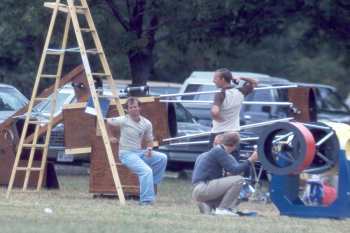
[[11, 100]]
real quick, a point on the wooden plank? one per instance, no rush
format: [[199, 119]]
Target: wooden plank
[[83, 150], [80, 127], [74, 105], [101, 180], [303, 99], [61, 7], [147, 99]]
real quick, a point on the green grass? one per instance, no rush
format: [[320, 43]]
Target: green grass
[[75, 210]]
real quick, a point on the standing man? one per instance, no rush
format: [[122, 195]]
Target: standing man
[[147, 164], [214, 193], [227, 103]]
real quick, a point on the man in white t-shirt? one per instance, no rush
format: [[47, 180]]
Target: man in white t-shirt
[[227, 103], [147, 164]]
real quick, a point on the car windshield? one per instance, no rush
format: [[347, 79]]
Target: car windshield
[[199, 88], [329, 101], [45, 106], [11, 99]]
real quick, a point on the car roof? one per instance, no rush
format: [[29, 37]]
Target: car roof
[[316, 85], [123, 82], [6, 85], [206, 77]]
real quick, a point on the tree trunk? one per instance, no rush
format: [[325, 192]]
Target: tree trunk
[[141, 66]]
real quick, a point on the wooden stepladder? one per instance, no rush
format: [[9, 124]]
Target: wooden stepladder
[[75, 13]]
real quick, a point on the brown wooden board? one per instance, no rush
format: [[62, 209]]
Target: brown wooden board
[[101, 177], [7, 158], [79, 128], [303, 99]]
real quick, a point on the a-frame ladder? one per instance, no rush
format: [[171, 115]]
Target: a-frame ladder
[[71, 10]]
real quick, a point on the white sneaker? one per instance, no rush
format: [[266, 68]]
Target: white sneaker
[[227, 212]]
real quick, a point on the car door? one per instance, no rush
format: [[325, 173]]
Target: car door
[[252, 113]]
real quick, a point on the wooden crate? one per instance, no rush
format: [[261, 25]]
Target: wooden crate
[[79, 127], [100, 174], [303, 99], [7, 159]]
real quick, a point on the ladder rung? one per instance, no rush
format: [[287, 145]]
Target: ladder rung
[[100, 74], [64, 7], [87, 30], [93, 51], [34, 145], [38, 122], [81, 7], [41, 98], [48, 76], [28, 168], [54, 52]]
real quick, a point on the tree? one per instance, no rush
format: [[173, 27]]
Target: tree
[[163, 39], [147, 23]]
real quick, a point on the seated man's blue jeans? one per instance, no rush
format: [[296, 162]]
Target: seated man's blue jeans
[[150, 170]]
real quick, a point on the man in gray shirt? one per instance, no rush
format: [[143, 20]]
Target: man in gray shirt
[[213, 192], [148, 164]]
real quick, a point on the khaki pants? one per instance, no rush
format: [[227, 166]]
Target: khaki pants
[[219, 193]]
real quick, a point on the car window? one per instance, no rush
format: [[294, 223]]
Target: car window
[[328, 100], [260, 95], [183, 115], [199, 88], [10, 99], [62, 98]]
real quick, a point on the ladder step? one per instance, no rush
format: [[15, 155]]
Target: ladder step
[[64, 8], [55, 52], [93, 51], [87, 30], [28, 168], [100, 74], [38, 122], [48, 76], [34, 145], [41, 98]]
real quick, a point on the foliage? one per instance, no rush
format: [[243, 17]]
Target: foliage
[[303, 40]]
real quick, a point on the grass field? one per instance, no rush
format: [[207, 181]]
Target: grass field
[[75, 210]]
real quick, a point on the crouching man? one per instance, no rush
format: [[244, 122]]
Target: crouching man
[[214, 193], [147, 164]]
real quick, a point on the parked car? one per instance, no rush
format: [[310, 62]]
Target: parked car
[[203, 81], [11, 100], [329, 105]]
